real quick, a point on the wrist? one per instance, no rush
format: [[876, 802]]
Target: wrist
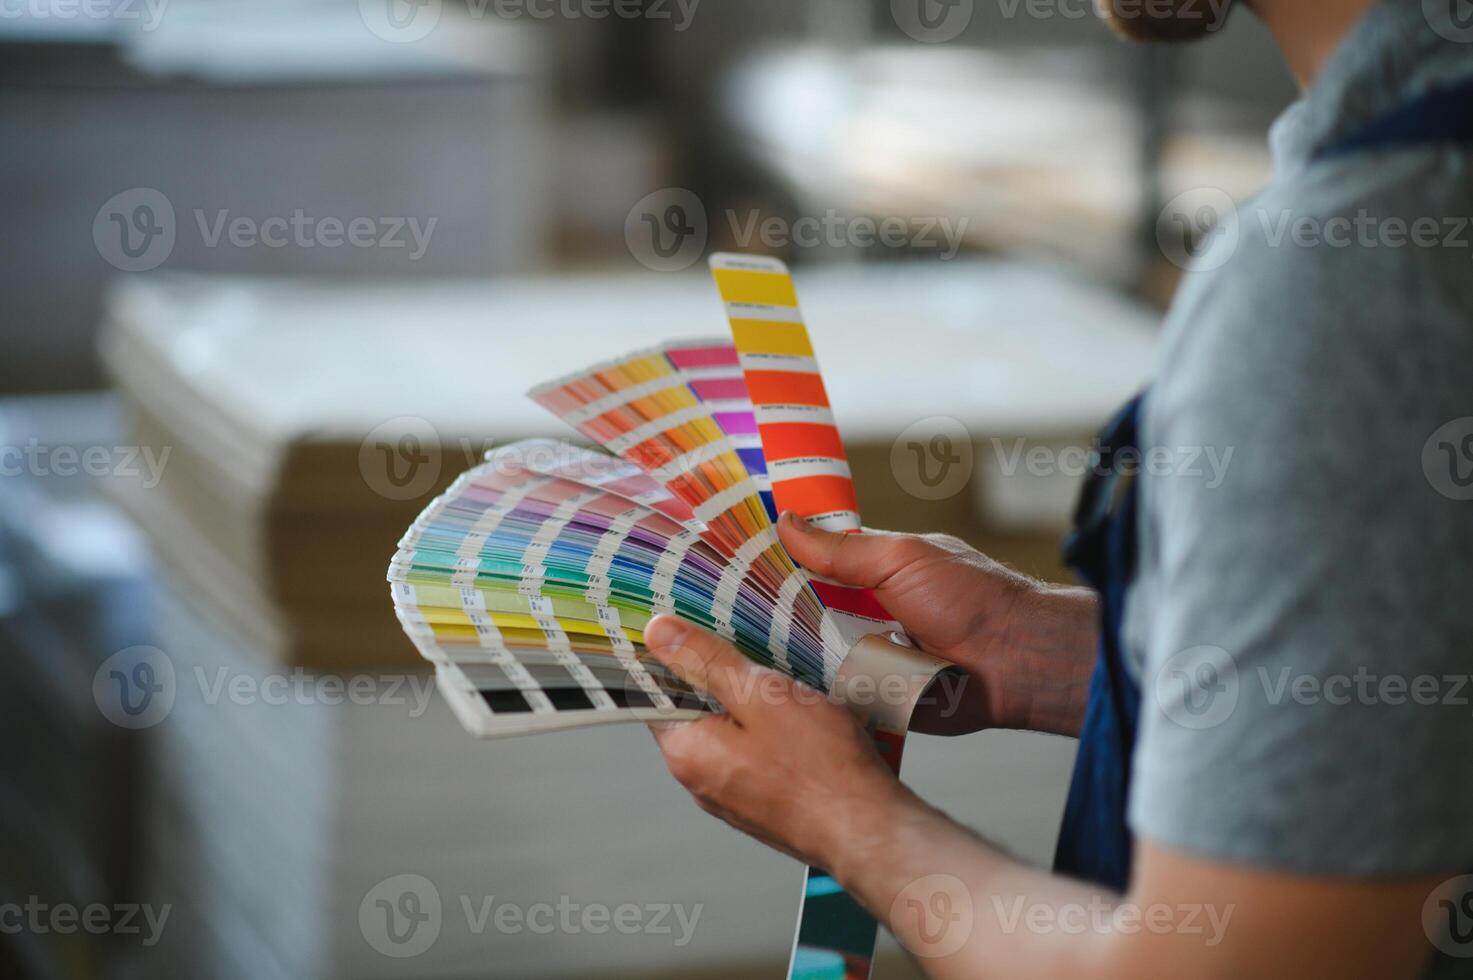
[[868, 829], [1058, 635]]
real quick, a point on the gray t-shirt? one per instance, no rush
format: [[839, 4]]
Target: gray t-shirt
[[1302, 622]]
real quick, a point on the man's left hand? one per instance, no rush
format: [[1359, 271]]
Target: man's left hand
[[784, 764]]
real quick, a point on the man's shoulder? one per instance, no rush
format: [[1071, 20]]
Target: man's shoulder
[[1339, 272]]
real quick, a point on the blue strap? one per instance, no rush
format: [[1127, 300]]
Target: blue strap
[[1094, 842], [1442, 115]]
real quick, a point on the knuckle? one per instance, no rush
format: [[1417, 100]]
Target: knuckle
[[683, 765], [910, 549]]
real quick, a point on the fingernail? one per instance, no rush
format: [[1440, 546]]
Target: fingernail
[[664, 632]]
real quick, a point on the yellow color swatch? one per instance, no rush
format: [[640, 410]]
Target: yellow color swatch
[[771, 337], [767, 288]]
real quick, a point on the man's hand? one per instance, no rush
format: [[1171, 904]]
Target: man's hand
[[784, 764], [1030, 646], [798, 773]]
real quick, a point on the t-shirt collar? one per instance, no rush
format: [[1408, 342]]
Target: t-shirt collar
[[1392, 54]]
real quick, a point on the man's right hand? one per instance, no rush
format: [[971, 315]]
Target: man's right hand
[[1029, 647]]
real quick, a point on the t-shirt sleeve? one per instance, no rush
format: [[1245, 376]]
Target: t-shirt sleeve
[[1304, 616]]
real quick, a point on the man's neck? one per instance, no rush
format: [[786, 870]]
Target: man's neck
[[1309, 31]]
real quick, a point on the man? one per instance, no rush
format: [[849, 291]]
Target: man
[[1309, 820]]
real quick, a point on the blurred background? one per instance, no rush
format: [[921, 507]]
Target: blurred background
[[275, 271]]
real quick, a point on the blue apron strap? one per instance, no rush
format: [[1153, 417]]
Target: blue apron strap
[[1095, 843], [1442, 115]]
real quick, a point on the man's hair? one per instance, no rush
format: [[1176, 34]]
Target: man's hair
[[1164, 20]]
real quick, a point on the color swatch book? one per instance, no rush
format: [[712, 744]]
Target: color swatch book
[[529, 581]]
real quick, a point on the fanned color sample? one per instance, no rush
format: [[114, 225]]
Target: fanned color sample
[[808, 474], [529, 582]]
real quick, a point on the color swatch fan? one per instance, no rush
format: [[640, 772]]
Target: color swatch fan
[[529, 582]]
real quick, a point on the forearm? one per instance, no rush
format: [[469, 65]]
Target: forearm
[[962, 906], [803, 775], [967, 910]]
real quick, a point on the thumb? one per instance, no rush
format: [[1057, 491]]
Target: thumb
[[862, 558], [702, 660]]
